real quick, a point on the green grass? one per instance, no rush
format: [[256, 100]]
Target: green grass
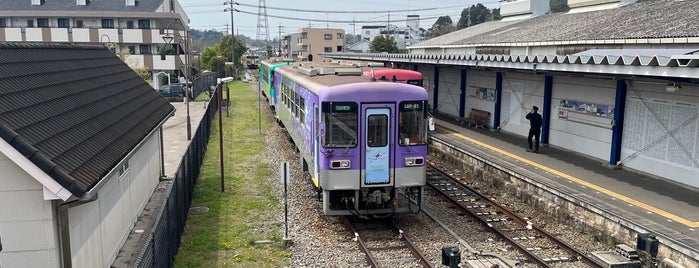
[[245, 212]]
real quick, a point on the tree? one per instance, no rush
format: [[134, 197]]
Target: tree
[[384, 44], [443, 25], [225, 51], [473, 15], [442, 22]]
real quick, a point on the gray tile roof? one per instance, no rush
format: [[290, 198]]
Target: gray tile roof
[[75, 111], [647, 19], [71, 5]]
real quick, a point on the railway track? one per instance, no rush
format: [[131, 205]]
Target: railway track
[[384, 244], [538, 246]]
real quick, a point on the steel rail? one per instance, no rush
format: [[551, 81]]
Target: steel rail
[[564, 246]]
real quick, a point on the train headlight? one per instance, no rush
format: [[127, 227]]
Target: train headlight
[[414, 161], [340, 164]]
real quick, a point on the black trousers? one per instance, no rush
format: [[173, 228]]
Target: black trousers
[[534, 133]]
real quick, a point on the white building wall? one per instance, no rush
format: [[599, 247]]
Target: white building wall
[[34, 34], [428, 82], [132, 36], [475, 80], [651, 115], [108, 35], [29, 236], [13, 34], [449, 90], [98, 229], [583, 133], [81, 35], [59, 34], [519, 93]]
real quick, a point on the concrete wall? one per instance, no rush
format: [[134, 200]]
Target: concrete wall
[[29, 235], [98, 229]]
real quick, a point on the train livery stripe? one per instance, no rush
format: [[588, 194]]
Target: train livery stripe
[[581, 182]]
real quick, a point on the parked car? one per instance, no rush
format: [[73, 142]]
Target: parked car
[[172, 92]]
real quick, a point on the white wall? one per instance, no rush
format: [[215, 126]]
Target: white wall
[[449, 90], [661, 131], [520, 91], [29, 235], [98, 229], [479, 79], [583, 133]]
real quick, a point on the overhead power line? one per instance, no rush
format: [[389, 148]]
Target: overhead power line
[[335, 21], [333, 11]]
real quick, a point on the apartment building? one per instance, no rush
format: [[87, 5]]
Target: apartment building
[[313, 41], [125, 25], [290, 45]]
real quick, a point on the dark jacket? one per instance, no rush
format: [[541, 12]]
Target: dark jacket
[[535, 120]]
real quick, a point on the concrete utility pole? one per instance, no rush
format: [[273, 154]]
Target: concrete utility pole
[[231, 9], [281, 28]]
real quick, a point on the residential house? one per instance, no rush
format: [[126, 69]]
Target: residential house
[[80, 153]]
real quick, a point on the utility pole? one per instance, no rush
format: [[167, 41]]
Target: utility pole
[[231, 9], [281, 28]]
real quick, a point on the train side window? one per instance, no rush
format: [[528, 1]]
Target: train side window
[[340, 120], [412, 123]]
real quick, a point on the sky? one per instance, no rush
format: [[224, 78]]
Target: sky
[[292, 15]]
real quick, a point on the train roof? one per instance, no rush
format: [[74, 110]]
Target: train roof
[[388, 74], [274, 61], [318, 81]]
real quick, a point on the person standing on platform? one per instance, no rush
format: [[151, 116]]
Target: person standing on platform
[[535, 121]]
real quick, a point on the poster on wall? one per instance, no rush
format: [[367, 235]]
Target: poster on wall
[[485, 93], [593, 109]]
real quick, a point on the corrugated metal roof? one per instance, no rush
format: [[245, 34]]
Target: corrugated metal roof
[[642, 20], [71, 5], [74, 110]]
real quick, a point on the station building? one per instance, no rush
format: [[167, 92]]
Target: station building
[[616, 80]]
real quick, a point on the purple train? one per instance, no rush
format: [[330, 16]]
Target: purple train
[[363, 142]]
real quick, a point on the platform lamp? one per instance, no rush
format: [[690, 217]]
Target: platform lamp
[[169, 38]]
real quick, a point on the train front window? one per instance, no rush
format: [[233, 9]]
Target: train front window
[[377, 130], [415, 82], [340, 119], [412, 123]]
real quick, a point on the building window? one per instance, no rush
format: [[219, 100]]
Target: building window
[[144, 24], [3, 23], [30, 23], [42, 22], [129, 24], [132, 50], [328, 49], [145, 49], [328, 37], [339, 48], [63, 23], [123, 169], [78, 23], [107, 23], [367, 33], [339, 35]]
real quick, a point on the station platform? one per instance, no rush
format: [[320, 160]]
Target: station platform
[[640, 202]]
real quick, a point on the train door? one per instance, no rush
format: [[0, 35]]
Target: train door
[[316, 141], [377, 145]]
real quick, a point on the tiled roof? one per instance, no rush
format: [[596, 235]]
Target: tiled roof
[[74, 110], [71, 5], [643, 20]]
